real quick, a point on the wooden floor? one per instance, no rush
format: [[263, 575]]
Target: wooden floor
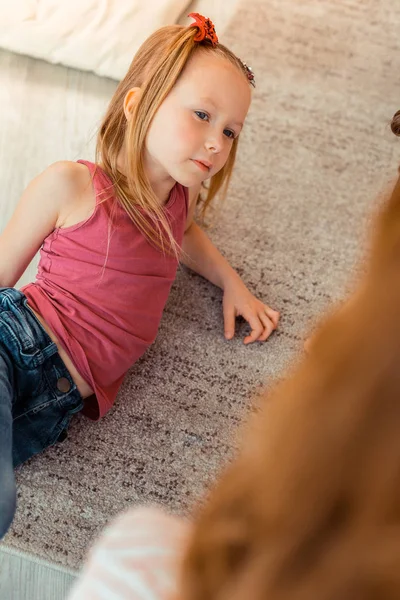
[[23, 577]]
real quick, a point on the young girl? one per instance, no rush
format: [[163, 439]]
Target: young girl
[[111, 235], [310, 507]]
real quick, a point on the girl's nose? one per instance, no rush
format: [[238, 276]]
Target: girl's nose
[[214, 144]]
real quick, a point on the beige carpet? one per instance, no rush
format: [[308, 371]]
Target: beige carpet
[[316, 151]]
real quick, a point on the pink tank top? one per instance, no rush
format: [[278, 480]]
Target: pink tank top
[[102, 287]]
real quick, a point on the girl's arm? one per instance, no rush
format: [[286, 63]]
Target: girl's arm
[[35, 217], [200, 255]]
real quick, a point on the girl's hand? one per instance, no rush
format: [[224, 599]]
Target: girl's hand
[[239, 301]]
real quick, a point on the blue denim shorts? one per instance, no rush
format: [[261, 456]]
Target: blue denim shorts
[[44, 396]]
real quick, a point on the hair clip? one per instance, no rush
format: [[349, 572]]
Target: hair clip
[[206, 29], [249, 73], [395, 124]]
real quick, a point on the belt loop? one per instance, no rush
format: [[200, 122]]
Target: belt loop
[[50, 350]]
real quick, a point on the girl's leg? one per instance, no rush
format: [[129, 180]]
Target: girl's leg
[[30, 433], [35, 409], [7, 480]]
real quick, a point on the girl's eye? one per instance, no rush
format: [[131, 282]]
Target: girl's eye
[[230, 134], [202, 115]]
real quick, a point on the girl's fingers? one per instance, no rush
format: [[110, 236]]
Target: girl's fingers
[[269, 327], [262, 324], [257, 329], [229, 322], [273, 315]]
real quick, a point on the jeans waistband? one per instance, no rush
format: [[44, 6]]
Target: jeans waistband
[[15, 301]]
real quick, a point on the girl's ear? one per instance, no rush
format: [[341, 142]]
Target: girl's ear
[[130, 100]]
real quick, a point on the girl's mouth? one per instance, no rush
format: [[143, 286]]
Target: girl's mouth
[[201, 165]]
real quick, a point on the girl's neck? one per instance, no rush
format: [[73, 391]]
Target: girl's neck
[[161, 184]]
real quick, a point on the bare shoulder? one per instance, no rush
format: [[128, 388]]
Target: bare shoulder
[[67, 177], [71, 183]]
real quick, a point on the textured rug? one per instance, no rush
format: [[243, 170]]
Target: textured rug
[[314, 156]]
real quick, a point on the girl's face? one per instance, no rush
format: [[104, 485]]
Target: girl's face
[[191, 135]]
